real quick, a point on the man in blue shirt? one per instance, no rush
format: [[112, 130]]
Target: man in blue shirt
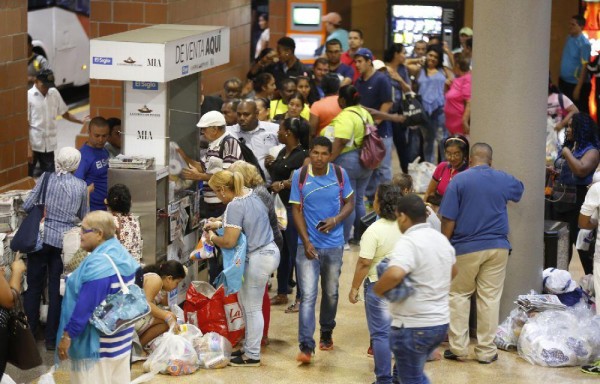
[[93, 168], [475, 219], [375, 90], [574, 81], [333, 22], [321, 202], [333, 51]]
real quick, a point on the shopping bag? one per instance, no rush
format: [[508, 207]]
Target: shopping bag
[[22, 349], [26, 237], [234, 262], [421, 174], [412, 109], [174, 356], [214, 350], [281, 213]]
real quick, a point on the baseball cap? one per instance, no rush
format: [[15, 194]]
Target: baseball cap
[[333, 18], [466, 31], [378, 64], [364, 52], [46, 76], [212, 119]]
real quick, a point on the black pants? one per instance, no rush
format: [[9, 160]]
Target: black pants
[[46, 160], [584, 95], [215, 264], [41, 265]]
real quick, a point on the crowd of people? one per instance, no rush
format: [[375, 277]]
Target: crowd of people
[[295, 132]]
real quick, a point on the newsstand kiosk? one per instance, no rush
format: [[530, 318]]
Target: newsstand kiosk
[[159, 67]]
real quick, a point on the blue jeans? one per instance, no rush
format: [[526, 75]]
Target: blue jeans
[[288, 259], [411, 347], [41, 265], [434, 130], [384, 172], [259, 266], [329, 267], [359, 178], [379, 322]]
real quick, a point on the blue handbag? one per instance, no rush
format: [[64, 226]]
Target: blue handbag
[[25, 239], [120, 310], [401, 291], [234, 262]]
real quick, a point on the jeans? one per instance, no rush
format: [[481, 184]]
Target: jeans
[[259, 266], [379, 322], [41, 265], [359, 178], [411, 347], [434, 130], [384, 172], [328, 266], [288, 259]]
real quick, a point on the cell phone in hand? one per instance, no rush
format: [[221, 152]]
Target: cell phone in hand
[[320, 225]]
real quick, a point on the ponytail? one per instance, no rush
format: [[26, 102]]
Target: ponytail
[[237, 183], [232, 180]]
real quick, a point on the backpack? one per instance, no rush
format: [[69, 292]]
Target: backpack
[[304, 175], [247, 154], [372, 150]]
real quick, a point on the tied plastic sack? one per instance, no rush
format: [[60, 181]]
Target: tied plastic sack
[[561, 338], [509, 331], [175, 356], [401, 291], [211, 311], [280, 212], [214, 351], [421, 174]]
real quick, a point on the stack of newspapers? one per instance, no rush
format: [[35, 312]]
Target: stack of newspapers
[[131, 162], [539, 303]]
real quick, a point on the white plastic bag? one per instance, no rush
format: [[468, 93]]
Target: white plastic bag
[[421, 174], [46, 378], [280, 212], [8, 380], [175, 356], [214, 350]]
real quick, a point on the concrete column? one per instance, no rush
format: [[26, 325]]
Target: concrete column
[[510, 80]]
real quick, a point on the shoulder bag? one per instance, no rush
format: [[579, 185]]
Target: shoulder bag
[[120, 310], [26, 237], [22, 349], [372, 151]]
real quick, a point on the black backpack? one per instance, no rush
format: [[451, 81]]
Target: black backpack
[[247, 154]]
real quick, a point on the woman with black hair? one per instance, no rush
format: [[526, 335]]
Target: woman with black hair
[[432, 81], [323, 111], [346, 132], [263, 108], [129, 234], [265, 58], [377, 243], [456, 150], [159, 280], [263, 40], [576, 165], [296, 108], [293, 133], [264, 86]]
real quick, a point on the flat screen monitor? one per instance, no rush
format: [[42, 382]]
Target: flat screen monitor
[[306, 17], [306, 45]]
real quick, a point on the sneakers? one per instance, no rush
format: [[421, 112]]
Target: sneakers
[[346, 247], [326, 342], [489, 361], [448, 355], [239, 361], [237, 353], [592, 369], [305, 355]]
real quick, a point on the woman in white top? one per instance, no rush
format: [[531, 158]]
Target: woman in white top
[[263, 40], [376, 244]]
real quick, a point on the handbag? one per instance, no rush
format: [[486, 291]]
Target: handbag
[[26, 237], [22, 349], [372, 151], [120, 310], [564, 197], [412, 109]]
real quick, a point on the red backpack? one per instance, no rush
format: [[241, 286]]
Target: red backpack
[[372, 150]]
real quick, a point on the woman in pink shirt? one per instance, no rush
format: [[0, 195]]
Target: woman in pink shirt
[[456, 150], [458, 98], [323, 111]]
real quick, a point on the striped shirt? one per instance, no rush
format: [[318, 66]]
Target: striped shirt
[[66, 204], [92, 293], [231, 153]]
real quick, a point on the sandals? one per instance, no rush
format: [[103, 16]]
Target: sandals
[[293, 308]]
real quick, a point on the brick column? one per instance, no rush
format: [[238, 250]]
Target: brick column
[[112, 16], [14, 129]]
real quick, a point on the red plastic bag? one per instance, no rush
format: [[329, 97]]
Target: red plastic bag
[[211, 311]]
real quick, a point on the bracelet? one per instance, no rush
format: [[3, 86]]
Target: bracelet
[[168, 317]]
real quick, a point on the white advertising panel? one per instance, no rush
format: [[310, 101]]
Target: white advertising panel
[[146, 120], [159, 53]]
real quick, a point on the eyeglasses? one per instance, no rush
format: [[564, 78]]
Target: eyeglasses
[[87, 230], [456, 155]]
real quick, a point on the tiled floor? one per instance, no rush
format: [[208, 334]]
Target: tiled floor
[[348, 362]]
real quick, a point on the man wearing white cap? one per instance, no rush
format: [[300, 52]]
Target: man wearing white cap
[[333, 25], [464, 34]]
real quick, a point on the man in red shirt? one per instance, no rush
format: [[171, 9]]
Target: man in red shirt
[[355, 41]]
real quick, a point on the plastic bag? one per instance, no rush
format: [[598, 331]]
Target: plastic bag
[[281, 213], [211, 311], [175, 356], [421, 174], [8, 380], [560, 338], [190, 332], [214, 351], [46, 378], [505, 334]]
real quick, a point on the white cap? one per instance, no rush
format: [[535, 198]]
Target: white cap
[[557, 281], [212, 119], [378, 64]]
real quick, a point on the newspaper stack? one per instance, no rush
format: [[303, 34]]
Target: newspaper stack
[[10, 210], [131, 162], [539, 303]]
